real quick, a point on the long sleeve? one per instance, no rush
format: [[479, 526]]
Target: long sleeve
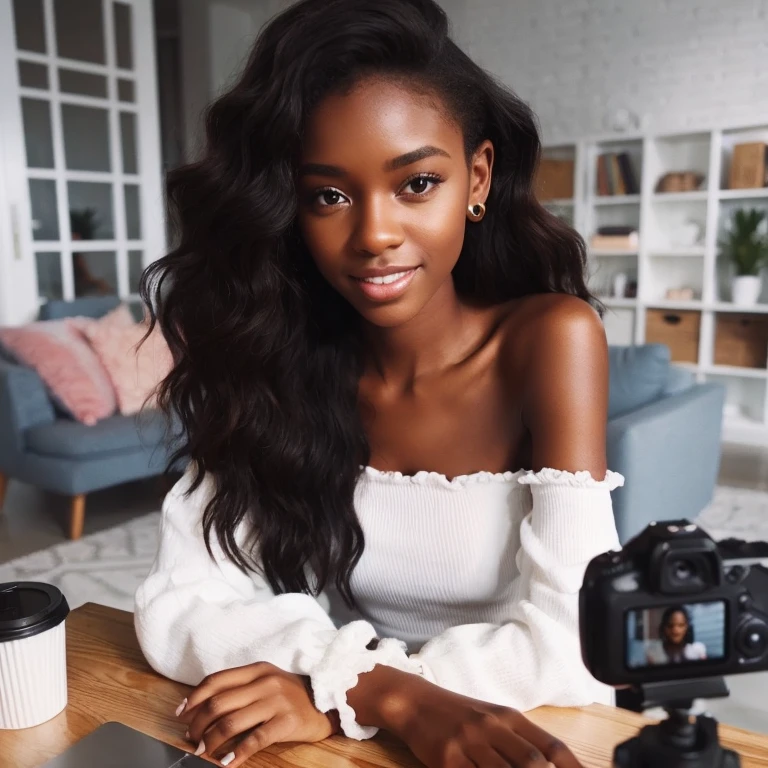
[[195, 615], [534, 658]]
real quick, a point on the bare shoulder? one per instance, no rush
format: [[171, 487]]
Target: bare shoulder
[[556, 359], [551, 326]]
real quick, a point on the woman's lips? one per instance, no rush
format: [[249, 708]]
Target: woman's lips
[[387, 287]]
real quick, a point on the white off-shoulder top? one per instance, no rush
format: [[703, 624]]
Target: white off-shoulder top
[[471, 582]]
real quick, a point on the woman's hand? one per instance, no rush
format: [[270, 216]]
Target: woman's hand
[[446, 730], [237, 712]]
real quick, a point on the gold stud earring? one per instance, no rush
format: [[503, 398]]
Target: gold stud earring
[[476, 211]]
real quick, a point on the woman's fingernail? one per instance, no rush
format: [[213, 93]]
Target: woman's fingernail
[[186, 735], [181, 707], [227, 759], [200, 749]]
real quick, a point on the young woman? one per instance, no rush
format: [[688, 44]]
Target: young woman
[[393, 390], [676, 642]]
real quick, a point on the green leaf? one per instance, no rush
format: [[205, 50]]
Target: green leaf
[[747, 249]]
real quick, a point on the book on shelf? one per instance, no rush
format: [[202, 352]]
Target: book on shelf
[[628, 242], [615, 175]]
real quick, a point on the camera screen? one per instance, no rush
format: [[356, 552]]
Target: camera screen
[[675, 634]]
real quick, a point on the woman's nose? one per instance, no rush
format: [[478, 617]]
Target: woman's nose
[[377, 227]]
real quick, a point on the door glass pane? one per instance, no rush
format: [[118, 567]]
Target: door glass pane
[[72, 81], [86, 138], [30, 25], [135, 269], [49, 285], [33, 75], [80, 30], [45, 217], [95, 273], [123, 36], [125, 90], [128, 135], [90, 210], [132, 213], [37, 133]]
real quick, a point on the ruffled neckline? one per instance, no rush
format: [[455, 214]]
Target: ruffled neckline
[[546, 476], [436, 478], [521, 477]]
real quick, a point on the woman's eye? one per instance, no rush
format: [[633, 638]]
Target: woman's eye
[[422, 184], [329, 197]]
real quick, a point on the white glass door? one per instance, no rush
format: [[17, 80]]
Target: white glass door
[[81, 210]]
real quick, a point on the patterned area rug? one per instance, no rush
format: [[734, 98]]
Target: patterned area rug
[[107, 567], [737, 513]]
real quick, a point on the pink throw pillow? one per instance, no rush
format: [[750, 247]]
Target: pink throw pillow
[[67, 365], [135, 374], [120, 316]]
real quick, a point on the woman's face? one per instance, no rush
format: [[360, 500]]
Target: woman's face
[[676, 628], [383, 193]]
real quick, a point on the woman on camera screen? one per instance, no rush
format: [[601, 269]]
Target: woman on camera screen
[[676, 640], [392, 383]]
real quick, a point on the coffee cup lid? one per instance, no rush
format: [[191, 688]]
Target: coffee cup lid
[[28, 608]]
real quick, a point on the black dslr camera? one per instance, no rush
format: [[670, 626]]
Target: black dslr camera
[[668, 616]]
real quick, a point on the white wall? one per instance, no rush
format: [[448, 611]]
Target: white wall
[[676, 63]]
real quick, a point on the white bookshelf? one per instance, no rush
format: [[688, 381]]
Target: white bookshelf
[[661, 261]]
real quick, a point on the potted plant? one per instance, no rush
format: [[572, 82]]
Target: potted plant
[[746, 245], [83, 223]]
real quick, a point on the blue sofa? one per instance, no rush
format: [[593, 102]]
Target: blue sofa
[[663, 436], [41, 447]]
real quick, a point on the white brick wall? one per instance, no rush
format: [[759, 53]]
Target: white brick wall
[[675, 63]]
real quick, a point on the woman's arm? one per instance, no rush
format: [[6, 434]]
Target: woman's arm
[[196, 616], [563, 362]]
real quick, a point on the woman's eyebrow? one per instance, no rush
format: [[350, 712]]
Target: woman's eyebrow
[[319, 169], [413, 157]]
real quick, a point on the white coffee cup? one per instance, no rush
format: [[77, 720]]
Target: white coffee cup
[[33, 653]]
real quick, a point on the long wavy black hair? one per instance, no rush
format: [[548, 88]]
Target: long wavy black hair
[[267, 359]]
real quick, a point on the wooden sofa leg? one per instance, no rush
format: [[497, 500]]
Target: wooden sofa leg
[[3, 489], [77, 516]]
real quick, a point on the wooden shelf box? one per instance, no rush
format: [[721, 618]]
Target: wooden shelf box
[[678, 329], [741, 340], [554, 179]]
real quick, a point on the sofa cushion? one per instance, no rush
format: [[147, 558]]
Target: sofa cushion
[[69, 439], [638, 376], [69, 368], [135, 368], [679, 380]]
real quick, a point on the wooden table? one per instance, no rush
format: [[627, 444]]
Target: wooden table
[[110, 680]]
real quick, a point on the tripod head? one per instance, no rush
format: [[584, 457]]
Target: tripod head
[[683, 740]]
